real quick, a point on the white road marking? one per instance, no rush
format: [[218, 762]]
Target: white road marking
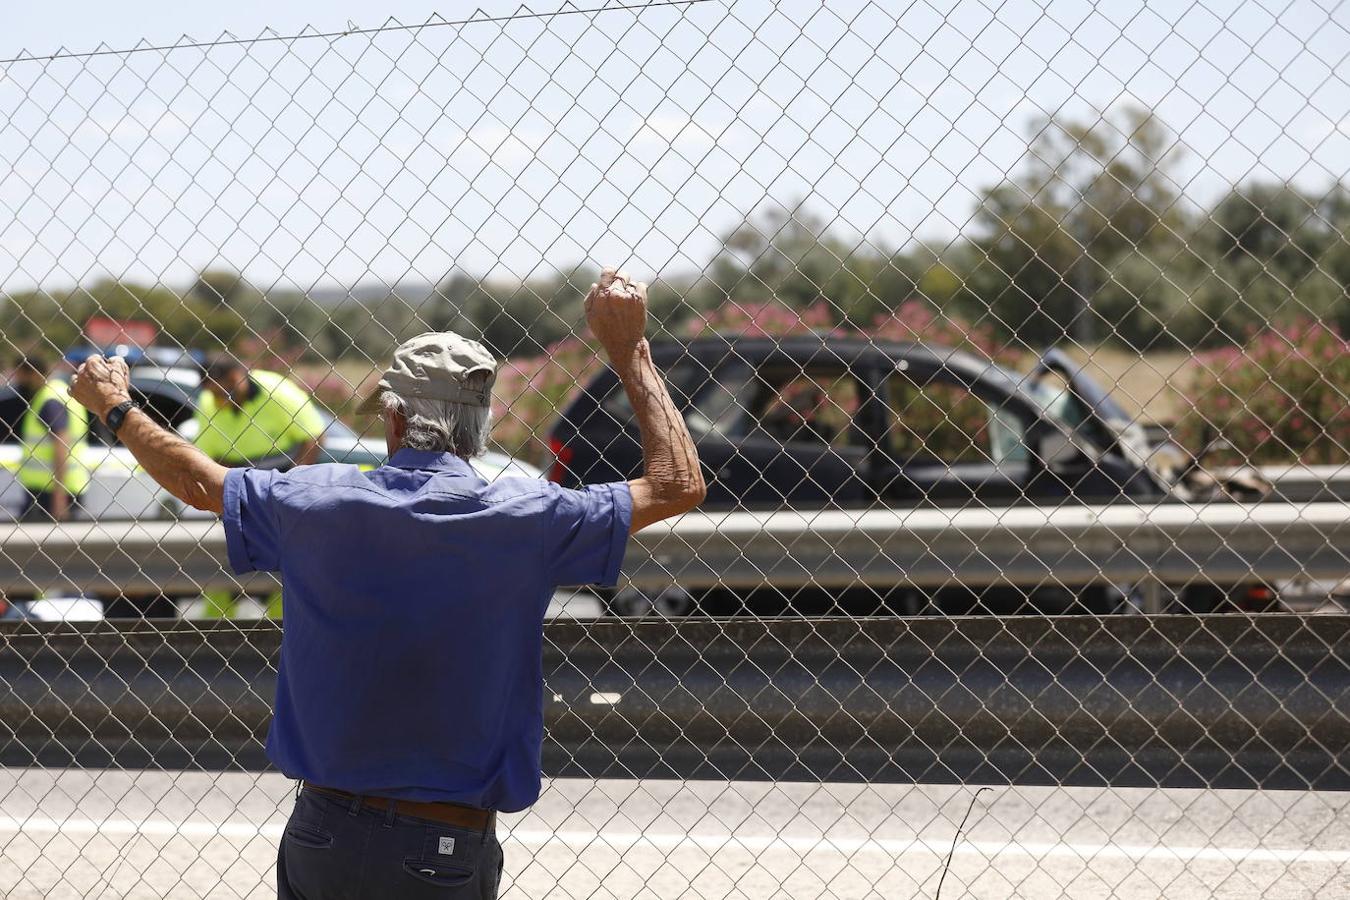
[[626, 840], [147, 827]]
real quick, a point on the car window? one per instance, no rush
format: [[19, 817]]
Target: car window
[[1051, 391], [169, 404], [944, 422], [716, 409], [686, 380], [804, 408], [12, 410]]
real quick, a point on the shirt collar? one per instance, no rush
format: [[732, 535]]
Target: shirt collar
[[430, 460]]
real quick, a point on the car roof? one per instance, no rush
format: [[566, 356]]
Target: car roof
[[824, 348], [157, 386], [169, 357], [164, 387]]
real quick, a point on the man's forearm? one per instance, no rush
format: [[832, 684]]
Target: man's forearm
[[101, 385], [180, 468], [672, 480]]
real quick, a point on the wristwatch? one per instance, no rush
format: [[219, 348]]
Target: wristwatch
[[118, 414]]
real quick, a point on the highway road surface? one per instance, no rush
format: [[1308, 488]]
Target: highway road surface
[[142, 834]]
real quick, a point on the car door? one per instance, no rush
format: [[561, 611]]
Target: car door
[[1118, 453], [12, 495], [597, 439], [118, 487], [949, 443], [791, 438], [12, 410]]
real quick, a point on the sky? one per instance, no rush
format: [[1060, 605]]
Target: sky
[[639, 136]]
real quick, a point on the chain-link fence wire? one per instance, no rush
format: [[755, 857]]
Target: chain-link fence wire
[[975, 270]]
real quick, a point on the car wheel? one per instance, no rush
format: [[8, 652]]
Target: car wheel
[[630, 603]]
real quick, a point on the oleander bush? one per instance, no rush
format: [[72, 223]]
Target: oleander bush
[[1282, 397]]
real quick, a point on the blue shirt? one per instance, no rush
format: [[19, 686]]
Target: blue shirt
[[412, 653]]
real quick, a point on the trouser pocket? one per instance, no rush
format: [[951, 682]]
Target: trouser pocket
[[452, 863], [318, 852], [308, 836], [438, 874]]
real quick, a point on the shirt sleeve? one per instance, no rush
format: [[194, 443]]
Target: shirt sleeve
[[252, 529], [590, 533], [54, 415]]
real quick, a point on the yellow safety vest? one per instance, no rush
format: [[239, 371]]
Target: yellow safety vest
[[37, 470], [278, 419]]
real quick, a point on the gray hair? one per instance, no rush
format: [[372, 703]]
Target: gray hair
[[441, 426]]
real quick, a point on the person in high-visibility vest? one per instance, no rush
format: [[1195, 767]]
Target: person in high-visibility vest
[[52, 432], [255, 418], [259, 419]]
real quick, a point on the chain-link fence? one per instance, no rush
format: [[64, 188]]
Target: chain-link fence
[[1020, 320]]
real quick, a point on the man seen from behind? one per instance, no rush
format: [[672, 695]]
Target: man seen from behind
[[410, 692]]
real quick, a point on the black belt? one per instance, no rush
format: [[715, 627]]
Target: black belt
[[456, 814]]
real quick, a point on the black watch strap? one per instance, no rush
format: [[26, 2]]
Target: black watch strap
[[118, 414]]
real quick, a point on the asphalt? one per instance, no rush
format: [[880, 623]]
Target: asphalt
[[140, 834]]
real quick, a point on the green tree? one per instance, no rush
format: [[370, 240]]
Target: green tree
[[1269, 254], [1056, 251], [524, 318], [791, 257], [221, 287]]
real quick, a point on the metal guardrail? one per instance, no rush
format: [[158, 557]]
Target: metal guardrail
[[139, 497], [1298, 483], [1172, 701], [1220, 542], [1017, 545]]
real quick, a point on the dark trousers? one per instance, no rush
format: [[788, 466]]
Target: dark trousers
[[334, 848]]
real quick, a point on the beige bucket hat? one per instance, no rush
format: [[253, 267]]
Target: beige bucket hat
[[434, 366]]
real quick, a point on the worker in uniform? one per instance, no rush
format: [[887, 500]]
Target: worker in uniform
[[255, 418], [258, 419], [53, 432]]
